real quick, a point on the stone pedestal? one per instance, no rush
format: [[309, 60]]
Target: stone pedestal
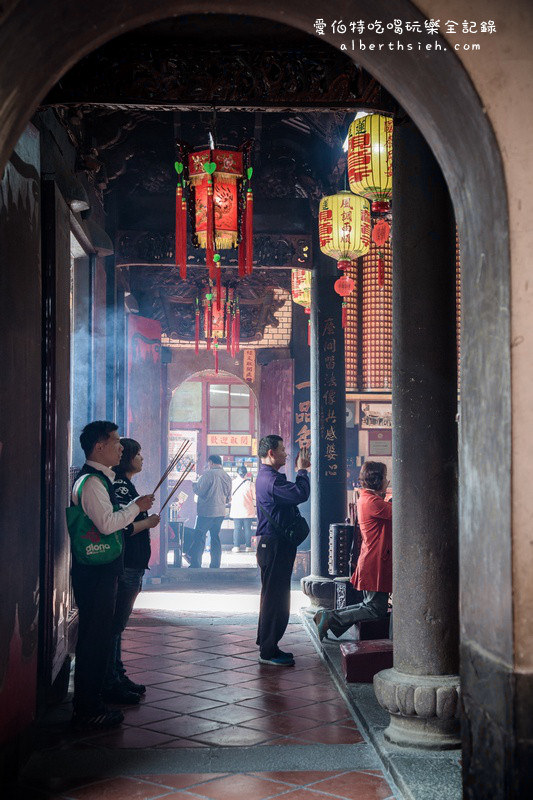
[[328, 426], [421, 691]]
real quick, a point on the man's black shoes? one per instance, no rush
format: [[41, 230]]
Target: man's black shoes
[[99, 720], [121, 696], [130, 686]]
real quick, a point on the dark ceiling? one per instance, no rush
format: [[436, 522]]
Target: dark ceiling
[[126, 105]]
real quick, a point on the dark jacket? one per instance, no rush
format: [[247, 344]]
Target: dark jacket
[[279, 497], [137, 549]]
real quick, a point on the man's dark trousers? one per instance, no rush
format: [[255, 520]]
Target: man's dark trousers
[[204, 524], [275, 556], [95, 591]]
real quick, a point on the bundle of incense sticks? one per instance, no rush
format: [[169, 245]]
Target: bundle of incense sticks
[[180, 480], [181, 452]]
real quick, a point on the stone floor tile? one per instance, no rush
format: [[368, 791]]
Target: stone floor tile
[[332, 734], [325, 712], [231, 694], [130, 737], [356, 786], [282, 724], [183, 780], [248, 787], [186, 704], [276, 703], [143, 714], [185, 685], [297, 777], [231, 714], [234, 736], [183, 726], [307, 794]]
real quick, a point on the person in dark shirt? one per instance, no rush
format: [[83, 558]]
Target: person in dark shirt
[[277, 501], [119, 688]]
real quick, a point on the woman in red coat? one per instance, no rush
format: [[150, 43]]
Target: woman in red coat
[[373, 575]]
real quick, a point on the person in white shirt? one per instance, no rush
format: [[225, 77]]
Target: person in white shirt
[[242, 509], [95, 586]]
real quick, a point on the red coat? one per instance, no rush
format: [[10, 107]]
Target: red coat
[[374, 566]]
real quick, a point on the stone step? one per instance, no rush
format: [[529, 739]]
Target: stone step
[[361, 660]]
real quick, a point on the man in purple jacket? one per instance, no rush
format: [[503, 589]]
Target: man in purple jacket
[[277, 501]]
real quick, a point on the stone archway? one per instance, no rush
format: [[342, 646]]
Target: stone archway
[[442, 101]]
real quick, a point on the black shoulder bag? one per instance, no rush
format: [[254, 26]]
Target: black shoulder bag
[[295, 532]]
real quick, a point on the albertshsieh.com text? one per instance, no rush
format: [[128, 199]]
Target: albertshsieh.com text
[[360, 45]]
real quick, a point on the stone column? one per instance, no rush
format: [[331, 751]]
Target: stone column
[[421, 691], [328, 425]]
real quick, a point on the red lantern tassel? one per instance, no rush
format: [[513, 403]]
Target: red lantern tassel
[[219, 288], [209, 324], [210, 232], [381, 273], [197, 331], [242, 243], [228, 327], [233, 331], [177, 235], [237, 330], [344, 315], [249, 231], [183, 236], [216, 356], [309, 333]]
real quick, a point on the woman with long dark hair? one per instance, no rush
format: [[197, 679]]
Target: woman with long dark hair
[[119, 688], [373, 574]]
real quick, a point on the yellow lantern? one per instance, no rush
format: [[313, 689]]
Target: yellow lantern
[[370, 159], [344, 227], [301, 293]]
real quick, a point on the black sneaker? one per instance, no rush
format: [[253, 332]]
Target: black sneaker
[[130, 686], [99, 720], [283, 654], [121, 696]]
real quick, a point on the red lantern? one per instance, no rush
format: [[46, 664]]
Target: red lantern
[[220, 183], [344, 286]]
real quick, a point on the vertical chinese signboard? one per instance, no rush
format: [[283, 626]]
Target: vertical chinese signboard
[[248, 367]]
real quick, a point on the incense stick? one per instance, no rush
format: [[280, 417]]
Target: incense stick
[[181, 452], [180, 480]]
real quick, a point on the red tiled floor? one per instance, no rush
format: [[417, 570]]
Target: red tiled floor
[[205, 689], [182, 781], [235, 736], [183, 726], [332, 734], [117, 789], [356, 786], [249, 787]]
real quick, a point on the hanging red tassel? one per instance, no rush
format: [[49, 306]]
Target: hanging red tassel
[[237, 329], [197, 329], [219, 288], [381, 273], [209, 312], [183, 238], [249, 221], [344, 315], [242, 244], [216, 356], [178, 226], [308, 312], [233, 331], [210, 232], [228, 324]]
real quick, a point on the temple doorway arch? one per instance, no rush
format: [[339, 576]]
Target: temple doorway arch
[[460, 135]]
